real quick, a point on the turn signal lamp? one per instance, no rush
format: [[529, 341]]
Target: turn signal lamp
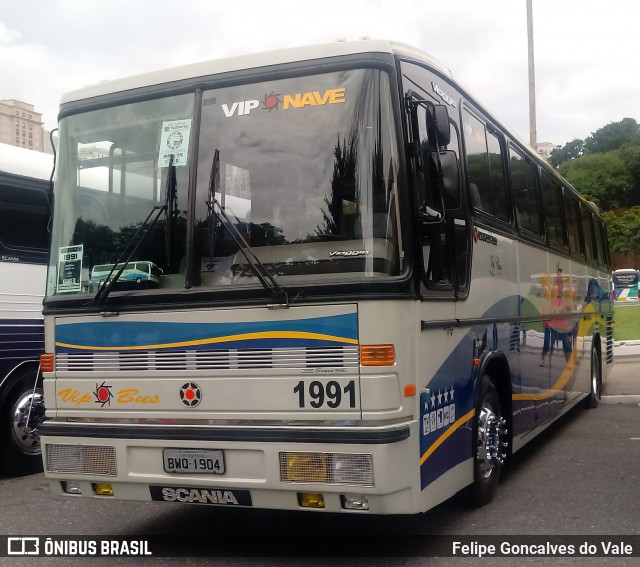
[[377, 355], [46, 363], [304, 467], [310, 500], [103, 489]]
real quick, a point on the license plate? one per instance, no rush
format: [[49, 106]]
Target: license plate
[[193, 461]]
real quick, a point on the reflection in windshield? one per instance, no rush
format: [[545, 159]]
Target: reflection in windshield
[[308, 176], [314, 164]]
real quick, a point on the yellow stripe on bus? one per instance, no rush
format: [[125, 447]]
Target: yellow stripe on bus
[[450, 431], [214, 340]]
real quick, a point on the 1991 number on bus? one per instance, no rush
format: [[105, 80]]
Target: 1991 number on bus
[[330, 394]]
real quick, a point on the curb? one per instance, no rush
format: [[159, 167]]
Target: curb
[[626, 399]]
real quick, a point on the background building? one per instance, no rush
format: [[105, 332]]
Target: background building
[[21, 125], [545, 148]]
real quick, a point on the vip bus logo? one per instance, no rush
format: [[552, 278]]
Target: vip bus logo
[[272, 101], [103, 395]]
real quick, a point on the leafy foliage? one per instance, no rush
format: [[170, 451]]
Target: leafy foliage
[[605, 167], [600, 177], [624, 231]]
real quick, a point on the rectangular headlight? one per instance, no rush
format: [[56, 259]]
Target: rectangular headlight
[[353, 469]]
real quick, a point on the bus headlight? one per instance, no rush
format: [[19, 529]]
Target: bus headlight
[[326, 468]]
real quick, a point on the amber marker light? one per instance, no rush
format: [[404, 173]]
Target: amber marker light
[[377, 355], [46, 363], [409, 390]]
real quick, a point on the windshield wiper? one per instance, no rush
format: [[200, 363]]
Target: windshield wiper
[[134, 244], [261, 272], [170, 208]]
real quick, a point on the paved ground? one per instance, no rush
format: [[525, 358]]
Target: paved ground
[[623, 383]]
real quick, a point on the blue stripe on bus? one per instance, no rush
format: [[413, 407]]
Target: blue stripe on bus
[[132, 335], [446, 435]]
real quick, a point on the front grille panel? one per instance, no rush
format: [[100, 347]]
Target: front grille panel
[[81, 459], [228, 359]]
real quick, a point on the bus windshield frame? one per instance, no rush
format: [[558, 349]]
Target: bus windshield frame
[[308, 173]]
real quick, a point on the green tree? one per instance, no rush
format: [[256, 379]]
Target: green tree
[[624, 231], [570, 150], [602, 178], [612, 136], [630, 155]]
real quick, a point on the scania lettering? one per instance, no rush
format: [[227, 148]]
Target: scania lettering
[[368, 296]]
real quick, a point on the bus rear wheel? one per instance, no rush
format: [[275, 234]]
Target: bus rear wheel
[[596, 380], [491, 440], [21, 412]]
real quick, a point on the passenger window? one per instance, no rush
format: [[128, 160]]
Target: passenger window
[[587, 233], [487, 188], [552, 200], [572, 216], [600, 239], [525, 193]]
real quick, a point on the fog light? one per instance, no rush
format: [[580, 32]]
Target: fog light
[[71, 487], [310, 500], [354, 502], [103, 489]]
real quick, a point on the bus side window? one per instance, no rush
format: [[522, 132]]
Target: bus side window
[[485, 169]]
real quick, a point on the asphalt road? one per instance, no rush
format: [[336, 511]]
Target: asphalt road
[[580, 477]]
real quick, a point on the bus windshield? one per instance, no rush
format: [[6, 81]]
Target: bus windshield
[[307, 173]]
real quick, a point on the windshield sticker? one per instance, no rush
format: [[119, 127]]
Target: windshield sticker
[[275, 101], [70, 269], [174, 142]]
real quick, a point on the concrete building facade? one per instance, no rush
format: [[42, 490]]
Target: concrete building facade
[[21, 125]]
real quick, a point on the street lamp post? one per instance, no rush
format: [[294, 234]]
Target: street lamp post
[[532, 79]]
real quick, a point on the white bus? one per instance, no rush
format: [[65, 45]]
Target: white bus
[[372, 293], [139, 273], [25, 194]]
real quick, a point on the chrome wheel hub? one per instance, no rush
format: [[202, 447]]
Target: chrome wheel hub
[[595, 381], [492, 441], [25, 419]]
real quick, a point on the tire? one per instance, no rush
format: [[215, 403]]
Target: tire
[[591, 401], [490, 437], [19, 441]]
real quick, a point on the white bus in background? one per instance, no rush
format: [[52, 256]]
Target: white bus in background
[[138, 272], [25, 198]]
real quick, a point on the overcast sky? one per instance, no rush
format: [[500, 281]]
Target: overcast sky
[[586, 51]]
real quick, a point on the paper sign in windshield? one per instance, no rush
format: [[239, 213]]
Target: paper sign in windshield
[[174, 142], [70, 268]]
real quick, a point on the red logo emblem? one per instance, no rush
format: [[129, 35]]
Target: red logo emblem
[[190, 394], [103, 395]]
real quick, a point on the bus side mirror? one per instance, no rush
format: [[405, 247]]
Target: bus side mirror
[[438, 117], [450, 179]]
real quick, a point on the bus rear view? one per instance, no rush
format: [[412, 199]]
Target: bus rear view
[[625, 284]]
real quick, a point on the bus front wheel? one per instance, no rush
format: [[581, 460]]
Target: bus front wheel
[[490, 436], [21, 412]]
